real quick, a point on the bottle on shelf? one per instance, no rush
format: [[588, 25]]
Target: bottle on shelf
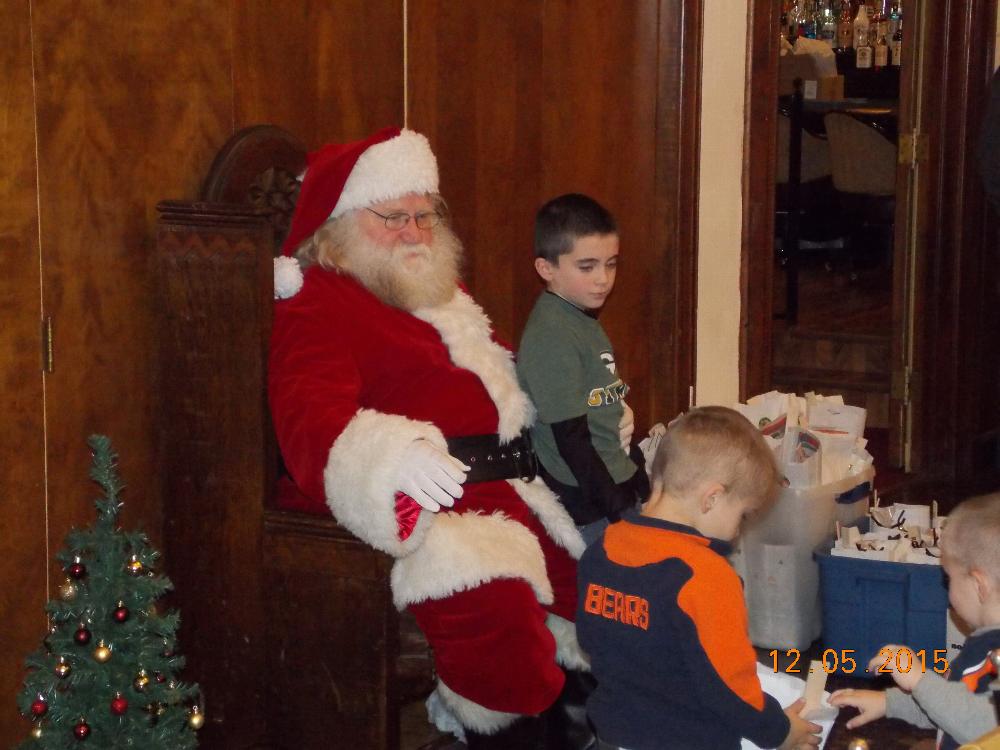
[[880, 21], [845, 27], [881, 53], [807, 20], [862, 42], [897, 45], [829, 24], [895, 19]]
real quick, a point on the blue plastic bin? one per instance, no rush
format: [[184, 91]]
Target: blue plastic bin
[[869, 603]]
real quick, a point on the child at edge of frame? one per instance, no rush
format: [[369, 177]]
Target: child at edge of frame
[[661, 611], [566, 365], [956, 703]]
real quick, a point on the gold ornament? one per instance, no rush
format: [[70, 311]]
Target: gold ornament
[[102, 653], [67, 591], [36, 732], [858, 744], [141, 680], [135, 566], [197, 719], [62, 668]]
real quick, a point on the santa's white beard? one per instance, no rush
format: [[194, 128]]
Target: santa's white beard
[[397, 277]]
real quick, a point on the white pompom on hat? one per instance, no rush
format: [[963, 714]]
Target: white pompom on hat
[[342, 177]]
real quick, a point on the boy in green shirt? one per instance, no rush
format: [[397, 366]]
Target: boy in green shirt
[[566, 365]]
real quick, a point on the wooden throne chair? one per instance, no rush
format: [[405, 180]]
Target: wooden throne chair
[[286, 619]]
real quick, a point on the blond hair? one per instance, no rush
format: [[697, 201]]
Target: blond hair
[[972, 535], [326, 246], [715, 444]]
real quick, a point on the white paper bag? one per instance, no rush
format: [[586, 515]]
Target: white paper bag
[[786, 690]]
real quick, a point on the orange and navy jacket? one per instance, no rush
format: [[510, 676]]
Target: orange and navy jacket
[[973, 668], [661, 614]]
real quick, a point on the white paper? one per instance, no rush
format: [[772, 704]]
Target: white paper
[[786, 690]]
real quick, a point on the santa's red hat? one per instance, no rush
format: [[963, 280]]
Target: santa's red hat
[[342, 177]]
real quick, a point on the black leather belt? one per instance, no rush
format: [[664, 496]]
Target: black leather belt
[[489, 460]]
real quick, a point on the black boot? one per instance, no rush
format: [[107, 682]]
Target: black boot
[[526, 733], [567, 727]]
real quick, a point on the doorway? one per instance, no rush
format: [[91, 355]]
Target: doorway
[[869, 324]]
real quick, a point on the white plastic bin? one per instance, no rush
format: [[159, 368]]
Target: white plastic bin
[[775, 558]]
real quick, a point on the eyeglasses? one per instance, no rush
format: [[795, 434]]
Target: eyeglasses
[[398, 220]]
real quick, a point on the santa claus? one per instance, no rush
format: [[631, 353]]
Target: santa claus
[[397, 409]]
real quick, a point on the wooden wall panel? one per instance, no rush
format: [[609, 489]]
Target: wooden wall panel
[[476, 91], [323, 71], [22, 447], [524, 101], [131, 104], [599, 138]]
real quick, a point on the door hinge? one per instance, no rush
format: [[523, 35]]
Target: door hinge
[[913, 148], [48, 357], [905, 383], [901, 385]]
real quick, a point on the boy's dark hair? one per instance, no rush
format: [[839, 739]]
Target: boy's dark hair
[[564, 220]]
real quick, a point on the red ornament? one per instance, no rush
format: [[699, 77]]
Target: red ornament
[[82, 636], [77, 570], [39, 707], [121, 613], [82, 730], [119, 704]]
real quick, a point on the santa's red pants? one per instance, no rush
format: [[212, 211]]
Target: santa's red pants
[[491, 645]]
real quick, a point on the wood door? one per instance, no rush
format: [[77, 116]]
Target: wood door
[[908, 251], [944, 301], [23, 551]]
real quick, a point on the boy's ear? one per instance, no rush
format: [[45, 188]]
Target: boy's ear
[[985, 586], [710, 495], [545, 269]]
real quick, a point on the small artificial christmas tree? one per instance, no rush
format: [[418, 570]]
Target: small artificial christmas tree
[[107, 672]]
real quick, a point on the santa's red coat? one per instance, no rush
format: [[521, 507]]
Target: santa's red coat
[[352, 382]]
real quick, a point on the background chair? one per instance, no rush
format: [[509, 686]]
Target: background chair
[[863, 163]]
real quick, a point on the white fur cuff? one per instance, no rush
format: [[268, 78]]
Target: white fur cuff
[[463, 551], [569, 655], [544, 504], [450, 709], [361, 483]]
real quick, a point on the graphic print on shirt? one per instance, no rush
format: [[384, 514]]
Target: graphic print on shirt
[[611, 393], [608, 358], [627, 609]]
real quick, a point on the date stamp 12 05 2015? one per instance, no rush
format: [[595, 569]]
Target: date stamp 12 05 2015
[[900, 659]]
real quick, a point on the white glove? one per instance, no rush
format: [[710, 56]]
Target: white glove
[[626, 427], [430, 475]]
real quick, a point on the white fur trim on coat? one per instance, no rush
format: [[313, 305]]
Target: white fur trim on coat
[[287, 277], [361, 481], [546, 506], [568, 652], [464, 550], [451, 708], [466, 332], [390, 169]]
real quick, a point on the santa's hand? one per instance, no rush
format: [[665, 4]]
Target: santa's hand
[[430, 475], [626, 427]]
